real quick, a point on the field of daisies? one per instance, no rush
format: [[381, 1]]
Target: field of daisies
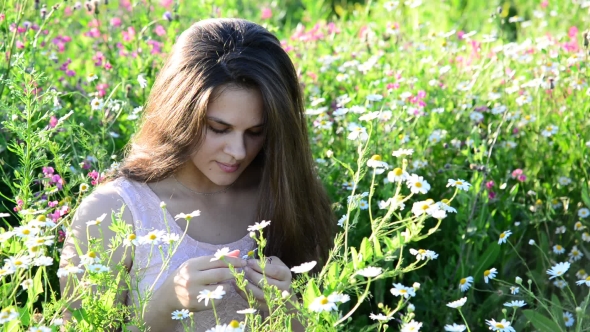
[[452, 137]]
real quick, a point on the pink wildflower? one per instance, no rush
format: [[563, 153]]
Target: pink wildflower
[[266, 13], [116, 22], [159, 30]]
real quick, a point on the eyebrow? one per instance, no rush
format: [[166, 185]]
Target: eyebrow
[[218, 120]]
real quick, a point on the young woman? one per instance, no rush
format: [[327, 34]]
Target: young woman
[[223, 132]]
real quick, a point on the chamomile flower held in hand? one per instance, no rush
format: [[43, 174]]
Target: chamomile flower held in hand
[[220, 254], [258, 226]]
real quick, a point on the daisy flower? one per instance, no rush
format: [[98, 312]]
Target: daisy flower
[[97, 104], [489, 274], [338, 298], [417, 184], [503, 326], [584, 281], [363, 205], [465, 283], [397, 175], [84, 187], [504, 236], [422, 254], [380, 317], [455, 328], [188, 216], [130, 239], [142, 81], [96, 221], [90, 258], [220, 254], [401, 290], [98, 268], [153, 237], [27, 283], [180, 314], [402, 152], [422, 207], [549, 131], [444, 205], [247, 311], [575, 254], [412, 326], [370, 271], [305, 267], [25, 231], [21, 262], [564, 180], [578, 226], [461, 184], [457, 304], [207, 295], [560, 284], [581, 274], [376, 162], [586, 237], [258, 226], [7, 315], [322, 303], [515, 304], [568, 318], [514, 290], [583, 213], [558, 249], [558, 270]]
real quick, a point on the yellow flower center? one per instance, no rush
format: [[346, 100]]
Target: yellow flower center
[[527, 117], [18, 263], [500, 325], [153, 236], [558, 247], [324, 301], [398, 171], [588, 278], [251, 253], [376, 157], [463, 281], [502, 235], [34, 249], [539, 202], [566, 319], [549, 128], [26, 232], [234, 323], [425, 207], [41, 218], [132, 237], [486, 273], [459, 183], [92, 254], [422, 251], [446, 201], [418, 184]]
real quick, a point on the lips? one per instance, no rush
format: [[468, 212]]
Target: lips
[[227, 167]]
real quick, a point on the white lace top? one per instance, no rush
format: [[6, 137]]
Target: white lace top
[[144, 205]]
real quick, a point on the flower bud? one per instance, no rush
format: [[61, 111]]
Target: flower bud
[[578, 310], [504, 311], [518, 280], [162, 205], [416, 286]]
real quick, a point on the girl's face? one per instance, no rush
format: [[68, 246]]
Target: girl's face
[[233, 138]]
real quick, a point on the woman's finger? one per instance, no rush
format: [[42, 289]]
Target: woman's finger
[[275, 270], [256, 278]]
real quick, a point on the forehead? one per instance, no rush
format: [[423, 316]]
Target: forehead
[[236, 105]]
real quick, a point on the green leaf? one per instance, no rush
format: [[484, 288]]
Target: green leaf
[[355, 257], [585, 196], [377, 248], [366, 250], [311, 292], [540, 322], [486, 260]]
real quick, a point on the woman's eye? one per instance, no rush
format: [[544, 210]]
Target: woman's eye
[[256, 133], [217, 131]]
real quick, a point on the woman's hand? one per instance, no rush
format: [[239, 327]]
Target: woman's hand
[[181, 289], [276, 272]]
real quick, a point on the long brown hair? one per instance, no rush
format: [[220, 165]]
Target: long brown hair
[[216, 52]]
